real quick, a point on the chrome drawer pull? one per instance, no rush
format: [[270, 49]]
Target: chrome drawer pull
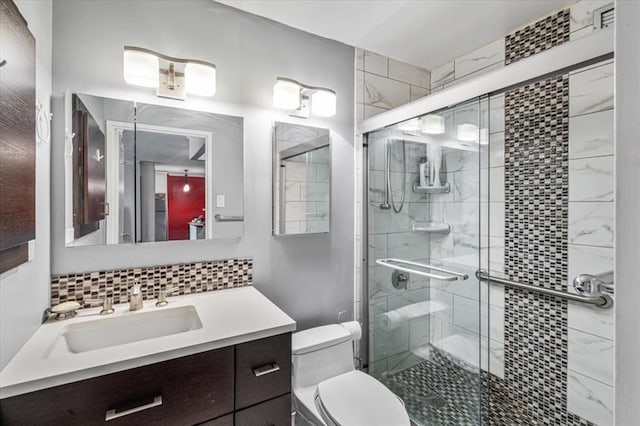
[[112, 414], [266, 369]]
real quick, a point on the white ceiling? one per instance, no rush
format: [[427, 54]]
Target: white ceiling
[[427, 33]]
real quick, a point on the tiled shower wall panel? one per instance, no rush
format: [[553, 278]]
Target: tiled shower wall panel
[[550, 367], [469, 321], [491, 56], [397, 317], [382, 83], [590, 220], [89, 288], [590, 240]]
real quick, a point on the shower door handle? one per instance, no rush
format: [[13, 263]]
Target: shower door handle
[[397, 264]]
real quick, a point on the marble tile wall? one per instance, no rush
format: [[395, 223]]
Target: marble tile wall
[[484, 59], [590, 238], [590, 229], [398, 318], [453, 324], [470, 326], [382, 83], [491, 56]]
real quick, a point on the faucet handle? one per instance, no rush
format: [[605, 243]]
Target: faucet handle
[[107, 305], [162, 296]]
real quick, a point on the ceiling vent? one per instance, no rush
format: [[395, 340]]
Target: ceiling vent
[[603, 17]]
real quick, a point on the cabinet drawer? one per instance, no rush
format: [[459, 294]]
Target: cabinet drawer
[[222, 421], [275, 412], [263, 370], [186, 390]]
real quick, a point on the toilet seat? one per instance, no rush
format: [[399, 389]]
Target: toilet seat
[[357, 399]]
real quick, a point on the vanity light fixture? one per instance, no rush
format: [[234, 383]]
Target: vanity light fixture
[[432, 124], [172, 77], [186, 187], [298, 98]]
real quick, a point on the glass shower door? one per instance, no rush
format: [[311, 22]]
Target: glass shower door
[[427, 200]]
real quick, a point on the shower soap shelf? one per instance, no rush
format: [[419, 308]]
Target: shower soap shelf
[[431, 227], [444, 189]]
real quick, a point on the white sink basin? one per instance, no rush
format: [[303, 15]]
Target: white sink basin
[[129, 328]]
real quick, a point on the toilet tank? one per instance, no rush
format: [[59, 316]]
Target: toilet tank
[[320, 353]]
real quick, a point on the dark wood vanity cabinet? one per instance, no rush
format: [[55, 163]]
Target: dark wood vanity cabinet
[[246, 384], [17, 137]]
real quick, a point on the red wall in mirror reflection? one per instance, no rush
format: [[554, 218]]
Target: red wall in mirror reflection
[[182, 206]]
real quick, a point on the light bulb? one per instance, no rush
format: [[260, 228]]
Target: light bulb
[[141, 68], [186, 188], [323, 103], [286, 95], [200, 79]]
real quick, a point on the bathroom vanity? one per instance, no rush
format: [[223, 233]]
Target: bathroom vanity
[[231, 366]]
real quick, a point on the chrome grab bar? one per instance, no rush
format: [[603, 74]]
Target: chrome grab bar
[[389, 263], [600, 300], [221, 218]]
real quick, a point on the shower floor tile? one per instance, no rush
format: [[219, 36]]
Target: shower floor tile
[[445, 391]]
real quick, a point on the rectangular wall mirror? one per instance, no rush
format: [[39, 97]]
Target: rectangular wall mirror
[[140, 173], [301, 179]]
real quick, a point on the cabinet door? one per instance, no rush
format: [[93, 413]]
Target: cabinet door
[[183, 391], [263, 370], [275, 412], [17, 134]]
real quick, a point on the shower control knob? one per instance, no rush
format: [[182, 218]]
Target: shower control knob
[[399, 280]]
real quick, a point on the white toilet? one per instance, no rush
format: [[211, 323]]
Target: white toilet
[[328, 389]]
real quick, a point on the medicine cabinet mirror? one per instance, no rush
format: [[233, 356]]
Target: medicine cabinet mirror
[[301, 179], [141, 173]]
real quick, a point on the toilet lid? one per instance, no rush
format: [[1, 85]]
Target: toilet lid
[[355, 398]]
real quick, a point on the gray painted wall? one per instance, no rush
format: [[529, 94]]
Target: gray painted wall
[[310, 277], [627, 212], [24, 291]]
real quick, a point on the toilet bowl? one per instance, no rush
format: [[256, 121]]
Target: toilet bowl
[[327, 388]]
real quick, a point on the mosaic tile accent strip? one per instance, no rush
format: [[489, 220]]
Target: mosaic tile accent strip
[[90, 287], [536, 231], [537, 37]]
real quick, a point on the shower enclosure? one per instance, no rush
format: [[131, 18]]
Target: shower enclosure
[[427, 205], [487, 228]]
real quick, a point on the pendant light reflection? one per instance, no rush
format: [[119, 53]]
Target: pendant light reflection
[[186, 187]]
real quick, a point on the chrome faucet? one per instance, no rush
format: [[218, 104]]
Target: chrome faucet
[[135, 297], [162, 296]]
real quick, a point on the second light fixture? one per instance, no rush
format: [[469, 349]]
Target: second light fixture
[[300, 99]]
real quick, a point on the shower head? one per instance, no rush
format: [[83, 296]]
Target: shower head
[[385, 206]]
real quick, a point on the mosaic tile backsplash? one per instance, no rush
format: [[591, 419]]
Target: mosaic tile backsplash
[[89, 288]]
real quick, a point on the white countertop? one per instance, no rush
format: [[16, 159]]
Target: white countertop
[[228, 317]]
